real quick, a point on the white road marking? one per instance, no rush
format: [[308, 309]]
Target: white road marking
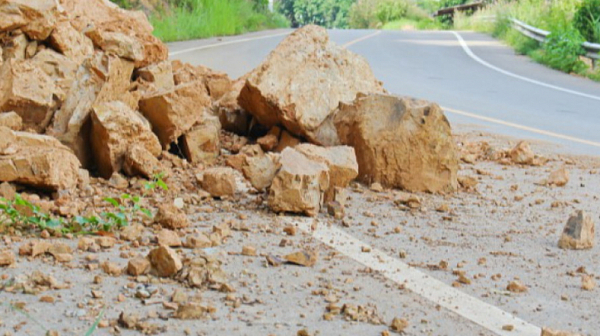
[[522, 127], [508, 73], [220, 44], [361, 39], [490, 317]]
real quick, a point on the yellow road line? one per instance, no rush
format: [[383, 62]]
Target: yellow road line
[[361, 39]]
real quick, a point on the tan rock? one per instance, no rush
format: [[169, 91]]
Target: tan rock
[[217, 83], [552, 332], [138, 266], [115, 128], [159, 75], [100, 79], [15, 47], [579, 233], [11, 120], [139, 161], [286, 140], [219, 181], [170, 217], [302, 258], [71, 43], [132, 232], [8, 191], [340, 160], [516, 287], [168, 238], [559, 177], [197, 241], [7, 258], [303, 80], [249, 251], [399, 142], [258, 168], [165, 261], [111, 28], [268, 142], [36, 160], [173, 113], [37, 18], [523, 155], [191, 311], [232, 117], [59, 68], [28, 91], [399, 325], [587, 282], [298, 185], [111, 268], [201, 144]]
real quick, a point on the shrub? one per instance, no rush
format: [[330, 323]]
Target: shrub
[[391, 10], [561, 51], [587, 20]]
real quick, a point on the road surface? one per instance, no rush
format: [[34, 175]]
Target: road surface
[[479, 82]]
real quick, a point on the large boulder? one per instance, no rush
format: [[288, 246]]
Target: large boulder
[[303, 80], [299, 184], [341, 161], [36, 160], [217, 83], [174, 112], [399, 142], [71, 42], [128, 34], [28, 91], [115, 129], [60, 68], [36, 18], [102, 78], [156, 77]]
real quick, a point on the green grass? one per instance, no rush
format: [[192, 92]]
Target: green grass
[[208, 18], [407, 23]]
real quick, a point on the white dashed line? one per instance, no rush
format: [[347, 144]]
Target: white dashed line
[[220, 44], [490, 317], [508, 73]]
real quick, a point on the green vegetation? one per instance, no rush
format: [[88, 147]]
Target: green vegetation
[[326, 13], [389, 14], [20, 214], [176, 20], [570, 22]]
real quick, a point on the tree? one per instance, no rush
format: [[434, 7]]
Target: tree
[[326, 13]]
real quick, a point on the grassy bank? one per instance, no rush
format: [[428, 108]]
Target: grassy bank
[[569, 22], [390, 14], [176, 20]]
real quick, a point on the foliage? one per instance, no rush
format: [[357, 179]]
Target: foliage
[[391, 10], [22, 213], [587, 20], [388, 14], [561, 51], [326, 13]]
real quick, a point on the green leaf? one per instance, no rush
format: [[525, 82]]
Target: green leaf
[[112, 201], [146, 212]]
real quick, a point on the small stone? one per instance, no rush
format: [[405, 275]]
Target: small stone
[[191, 311], [552, 332], [398, 325], [335, 209], [290, 230], [579, 233], [179, 203], [97, 294], [516, 287], [402, 254], [588, 283], [249, 251], [219, 182], [197, 241], [171, 217], [559, 177], [168, 238], [106, 242], [47, 299], [111, 268], [117, 181], [376, 187], [179, 296], [132, 232], [138, 266], [508, 327], [302, 258], [165, 261]]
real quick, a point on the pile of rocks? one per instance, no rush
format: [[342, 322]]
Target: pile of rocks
[[85, 86]]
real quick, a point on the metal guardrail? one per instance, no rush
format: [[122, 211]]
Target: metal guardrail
[[459, 8], [592, 49]]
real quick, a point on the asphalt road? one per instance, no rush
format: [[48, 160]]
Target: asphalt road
[[491, 88]]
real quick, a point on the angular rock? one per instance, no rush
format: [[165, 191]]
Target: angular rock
[[268, 142], [559, 177], [132, 232], [579, 233], [217, 83], [302, 258], [7, 258], [340, 160], [139, 161], [587, 282], [197, 241], [552, 332], [128, 33], [173, 113], [219, 182], [201, 144], [516, 287], [398, 325], [100, 79], [303, 80], [258, 167], [169, 217], [159, 76], [523, 155], [59, 68], [191, 311], [165, 261], [168, 238], [28, 91], [15, 47], [138, 266], [71, 43], [115, 128], [232, 117], [36, 160], [37, 18], [399, 142], [298, 185], [11, 120]]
